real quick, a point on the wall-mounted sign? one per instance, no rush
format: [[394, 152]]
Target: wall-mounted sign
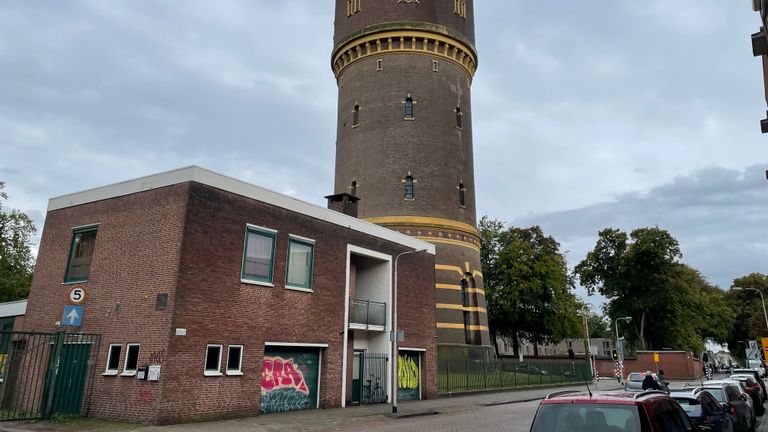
[[154, 373], [77, 295], [73, 316]]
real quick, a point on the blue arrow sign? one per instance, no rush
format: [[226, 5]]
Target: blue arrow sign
[[73, 316]]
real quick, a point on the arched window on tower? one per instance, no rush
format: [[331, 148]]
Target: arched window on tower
[[467, 318], [353, 188], [409, 188], [356, 116], [461, 194], [409, 108], [459, 114]]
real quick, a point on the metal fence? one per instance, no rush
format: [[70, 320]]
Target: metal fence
[[45, 375], [374, 369], [471, 375], [368, 312]]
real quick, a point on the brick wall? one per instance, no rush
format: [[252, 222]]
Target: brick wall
[[675, 364], [135, 257]]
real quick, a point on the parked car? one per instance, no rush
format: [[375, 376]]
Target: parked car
[[757, 365], [743, 393], [754, 373], [579, 411], [730, 397], [634, 382], [754, 391], [704, 410]]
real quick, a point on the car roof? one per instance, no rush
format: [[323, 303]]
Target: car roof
[[601, 397]]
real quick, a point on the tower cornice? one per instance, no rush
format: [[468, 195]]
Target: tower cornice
[[405, 37]]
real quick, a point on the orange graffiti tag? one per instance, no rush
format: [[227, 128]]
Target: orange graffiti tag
[[280, 373]]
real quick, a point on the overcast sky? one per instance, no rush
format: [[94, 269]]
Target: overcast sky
[[587, 114]]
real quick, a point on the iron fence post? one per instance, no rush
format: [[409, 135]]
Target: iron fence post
[[53, 366]]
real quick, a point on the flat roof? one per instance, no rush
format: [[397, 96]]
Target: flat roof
[[239, 187], [14, 308]]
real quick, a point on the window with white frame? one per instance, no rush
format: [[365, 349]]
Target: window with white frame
[[235, 360], [300, 262], [113, 359], [131, 360], [213, 360], [258, 255]]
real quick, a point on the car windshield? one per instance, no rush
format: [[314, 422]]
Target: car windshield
[[586, 418], [717, 393], [635, 376]]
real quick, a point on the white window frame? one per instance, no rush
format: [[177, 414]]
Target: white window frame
[[107, 370], [239, 370], [269, 232], [217, 372], [132, 372]]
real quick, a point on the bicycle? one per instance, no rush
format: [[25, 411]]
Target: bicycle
[[373, 393]]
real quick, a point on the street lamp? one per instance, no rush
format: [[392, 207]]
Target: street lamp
[[394, 329], [765, 315], [586, 336], [621, 351]]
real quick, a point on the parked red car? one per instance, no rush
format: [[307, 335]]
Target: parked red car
[[579, 411]]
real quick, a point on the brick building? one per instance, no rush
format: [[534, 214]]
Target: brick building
[[231, 299]]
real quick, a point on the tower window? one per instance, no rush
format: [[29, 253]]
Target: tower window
[[356, 116], [379, 64], [353, 188], [353, 7], [461, 194], [459, 114], [460, 8], [409, 188], [409, 108], [435, 66]]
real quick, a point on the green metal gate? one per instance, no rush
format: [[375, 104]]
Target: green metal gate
[[45, 375]]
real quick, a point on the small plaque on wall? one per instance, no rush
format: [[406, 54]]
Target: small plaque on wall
[[153, 374]]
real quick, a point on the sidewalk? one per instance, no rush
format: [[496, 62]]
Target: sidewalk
[[316, 420]]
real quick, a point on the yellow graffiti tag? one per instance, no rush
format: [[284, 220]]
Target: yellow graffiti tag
[[407, 372]]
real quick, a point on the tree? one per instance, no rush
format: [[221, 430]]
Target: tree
[[16, 261], [599, 327], [528, 286], [670, 303], [749, 322]]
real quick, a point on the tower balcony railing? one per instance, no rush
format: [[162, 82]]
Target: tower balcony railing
[[367, 315]]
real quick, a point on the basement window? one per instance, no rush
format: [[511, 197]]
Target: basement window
[[113, 359], [213, 360], [131, 360]]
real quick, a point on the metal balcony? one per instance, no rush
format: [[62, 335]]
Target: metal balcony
[[367, 315]]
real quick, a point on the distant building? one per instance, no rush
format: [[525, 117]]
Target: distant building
[[12, 314], [190, 295], [604, 347]]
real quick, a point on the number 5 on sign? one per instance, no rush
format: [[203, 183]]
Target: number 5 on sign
[[76, 295]]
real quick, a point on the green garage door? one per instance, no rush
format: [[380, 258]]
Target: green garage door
[[289, 379]]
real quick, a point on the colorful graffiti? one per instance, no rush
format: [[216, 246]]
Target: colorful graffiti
[[407, 372], [283, 387]]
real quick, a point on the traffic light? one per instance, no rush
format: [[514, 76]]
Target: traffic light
[[615, 355]]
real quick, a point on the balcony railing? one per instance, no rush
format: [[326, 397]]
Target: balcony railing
[[367, 314]]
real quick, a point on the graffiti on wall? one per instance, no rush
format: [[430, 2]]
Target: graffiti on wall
[[407, 372], [283, 387]]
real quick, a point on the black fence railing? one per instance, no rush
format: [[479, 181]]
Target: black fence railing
[[368, 312], [474, 375], [44, 375], [374, 382]]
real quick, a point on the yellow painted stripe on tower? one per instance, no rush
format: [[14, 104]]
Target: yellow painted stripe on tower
[[458, 288], [449, 268], [460, 307], [477, 273], [466, 265], [425, 222], [450, 242], [461, 326]]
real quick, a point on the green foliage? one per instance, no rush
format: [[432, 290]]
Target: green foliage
[[599, 327], [527, 283], [16, 261], [671, 304], [749, 321]]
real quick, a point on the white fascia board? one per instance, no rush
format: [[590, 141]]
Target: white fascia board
[[239, 187], [14, 308]]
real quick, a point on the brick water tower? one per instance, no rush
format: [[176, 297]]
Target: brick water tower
[[404, 70]]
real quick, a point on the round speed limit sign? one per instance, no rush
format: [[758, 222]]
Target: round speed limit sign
[[76, 295]]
